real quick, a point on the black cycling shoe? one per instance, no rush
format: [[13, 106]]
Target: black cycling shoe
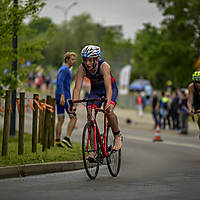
[[92, 160]]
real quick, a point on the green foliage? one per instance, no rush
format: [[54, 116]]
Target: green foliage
[[81, 31], [11, 24], [169, 52], [43, 43], [40, 25], [159, 54]]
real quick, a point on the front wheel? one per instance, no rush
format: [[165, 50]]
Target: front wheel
[[114, 157], [88, 146]]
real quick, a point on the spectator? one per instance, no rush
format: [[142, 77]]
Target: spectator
[[39, 80], [139, 105], [155, 104], [143, 95], [184, 113], [47, 82], [168, 116], [175, 111], [148, 92], [163, 110], [63, 93], [86, 87]]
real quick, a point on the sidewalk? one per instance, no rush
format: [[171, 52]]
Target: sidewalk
[[144, 123]]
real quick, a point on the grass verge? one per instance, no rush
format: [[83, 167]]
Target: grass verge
[[54, 154]]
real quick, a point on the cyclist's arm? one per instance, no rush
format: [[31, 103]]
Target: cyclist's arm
[[78, 83], [105, 71], [190, 96]]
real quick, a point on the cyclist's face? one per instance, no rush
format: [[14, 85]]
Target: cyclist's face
[[197, 85], [89, 62]]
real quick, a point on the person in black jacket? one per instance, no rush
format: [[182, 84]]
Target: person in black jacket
[[184, 113], [175, 111], [155, 104]]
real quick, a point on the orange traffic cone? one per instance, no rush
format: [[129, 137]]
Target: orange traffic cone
[[157, 136]]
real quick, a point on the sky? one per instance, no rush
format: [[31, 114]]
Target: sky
[[131, 14]]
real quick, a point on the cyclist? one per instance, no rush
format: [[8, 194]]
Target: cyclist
[[63, 93], [102, 84], [194, 95]]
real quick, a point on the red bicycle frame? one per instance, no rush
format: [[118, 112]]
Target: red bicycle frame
[[94, 122], [96, 131]]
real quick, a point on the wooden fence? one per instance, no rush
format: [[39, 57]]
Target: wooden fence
[[42, 132]]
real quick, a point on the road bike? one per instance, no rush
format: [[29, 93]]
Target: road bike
[[101, 144]]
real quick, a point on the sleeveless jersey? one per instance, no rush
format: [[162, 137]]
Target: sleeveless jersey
[[97, 80]]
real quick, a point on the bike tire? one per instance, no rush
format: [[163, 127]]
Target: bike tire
[[90, 168], [114, 158]]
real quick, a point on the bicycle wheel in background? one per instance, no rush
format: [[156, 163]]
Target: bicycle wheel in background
[[114, 157], [91, 168]]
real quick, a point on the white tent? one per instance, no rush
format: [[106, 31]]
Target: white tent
[[124, 78]]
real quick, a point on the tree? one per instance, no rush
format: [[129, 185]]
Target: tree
[[169, 52], [80, 31], [9, 15], [182, 20]]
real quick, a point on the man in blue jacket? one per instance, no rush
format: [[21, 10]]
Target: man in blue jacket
[[63, 93]]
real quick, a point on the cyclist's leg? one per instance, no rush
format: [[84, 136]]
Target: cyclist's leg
[[92, 138], [198, 121], [197, 109], [93, 94], [113, 122], [89, 118]]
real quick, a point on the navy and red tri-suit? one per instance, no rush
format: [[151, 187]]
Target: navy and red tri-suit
[[98, 89]]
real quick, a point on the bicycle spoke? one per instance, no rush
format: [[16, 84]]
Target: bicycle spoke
[[89, 148], [114, 157]]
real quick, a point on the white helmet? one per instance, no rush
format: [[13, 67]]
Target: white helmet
[[90, 51]]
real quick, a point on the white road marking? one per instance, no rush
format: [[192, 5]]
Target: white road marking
[[165, 142]]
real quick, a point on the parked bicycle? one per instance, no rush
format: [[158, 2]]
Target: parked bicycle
[[101, 144]]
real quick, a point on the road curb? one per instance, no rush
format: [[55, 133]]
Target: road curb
[[40, 168]]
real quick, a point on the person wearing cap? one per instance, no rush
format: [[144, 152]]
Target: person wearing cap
[[103, 84]]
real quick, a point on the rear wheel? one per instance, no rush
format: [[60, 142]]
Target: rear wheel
[[114, 157], [88, 146]]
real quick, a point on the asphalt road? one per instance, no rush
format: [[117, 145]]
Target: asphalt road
[[153, 171]]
